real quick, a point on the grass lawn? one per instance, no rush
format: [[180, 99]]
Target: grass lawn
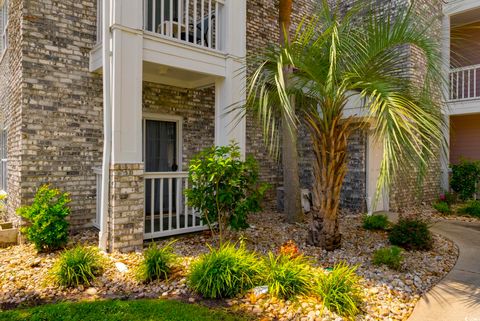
[[114, 310]]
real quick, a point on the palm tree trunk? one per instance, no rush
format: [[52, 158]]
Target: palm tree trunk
[[291, 181], [330, 168]]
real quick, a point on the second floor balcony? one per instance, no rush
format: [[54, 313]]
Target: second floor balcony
[[462, 19], [185, 42], [194, 22]]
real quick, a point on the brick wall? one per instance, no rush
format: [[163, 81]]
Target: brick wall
[[54, 105], [62, 103], [196, 107], [407, 191], [126, 217], [11, 102], [262, 30]]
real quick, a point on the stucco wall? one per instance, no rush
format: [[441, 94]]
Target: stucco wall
[[464, 137], [465, 45]]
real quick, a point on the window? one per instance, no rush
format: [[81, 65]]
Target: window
[[3, 25], [3, 160]]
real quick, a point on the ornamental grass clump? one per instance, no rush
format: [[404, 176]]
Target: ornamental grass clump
[[225, 272], [288, 276], [411, 234], [472, 208], [340, 290], [375, 222], [78, 266], [442, 207], [47, 227], [157, 263], [389, 256]]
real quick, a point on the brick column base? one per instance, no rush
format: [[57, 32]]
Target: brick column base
[[126, 213]]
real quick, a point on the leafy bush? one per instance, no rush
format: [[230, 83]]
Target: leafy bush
[[157, 263], [288, 276], [48, 227], [472, 208], [442, 207], [78, 266], [389, 256], [465, 178], [224, 187], [411, 234], [340, 290], [375, 222], [225, 272]]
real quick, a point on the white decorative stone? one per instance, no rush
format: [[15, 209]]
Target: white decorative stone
[[122, 268]]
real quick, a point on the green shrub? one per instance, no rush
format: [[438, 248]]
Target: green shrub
[[465, 178], [375, 222], [472, 208], [157, 263], [225, 272], [288, 276], [389, 256], [78, 266], [340, 290], [47, 225], [411, 234], [442, 207], [224, 188]]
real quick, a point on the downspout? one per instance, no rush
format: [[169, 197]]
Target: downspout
[[107, 127]]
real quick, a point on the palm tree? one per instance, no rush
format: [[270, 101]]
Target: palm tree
[[337, 59], [291, 180]]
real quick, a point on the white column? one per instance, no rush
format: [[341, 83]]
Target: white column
[[230, 91], [445, 157], [127, 73]]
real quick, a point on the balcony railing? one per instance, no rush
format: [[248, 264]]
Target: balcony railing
[[465, 83], [166, 208], [196, 22]]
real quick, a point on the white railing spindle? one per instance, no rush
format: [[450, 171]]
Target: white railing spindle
[[162, 17], [177, 201], [210, 23], [475, 82], [185, 213], [187, 16], [161, 204], [152, 205], [170, 19], [154, 16], [170, 203], [195, 20], [201, 22], [217, 33]]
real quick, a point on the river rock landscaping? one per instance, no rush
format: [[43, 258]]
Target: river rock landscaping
[[25, 279]]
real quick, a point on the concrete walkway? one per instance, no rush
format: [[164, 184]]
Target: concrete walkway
[[457, 296]]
